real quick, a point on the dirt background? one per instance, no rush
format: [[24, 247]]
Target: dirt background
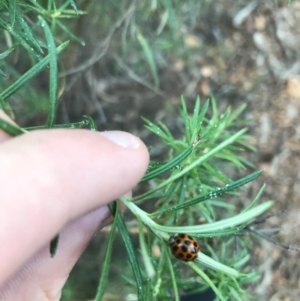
[[238, 51]]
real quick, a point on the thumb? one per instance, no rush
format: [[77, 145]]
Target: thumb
[[75, 172]]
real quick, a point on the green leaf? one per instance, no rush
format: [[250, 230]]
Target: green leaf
[[27, 33], [256, 199], [186, 119], [90, 121], [194, 119], [10, 129], [237, 113], [150, 271], [173, 279], [215, 172], [2, 73], [215, 265], [228, 223], [132, 257], [5, 25], [197, 120], [159, 131], [70, 33], [194, 164], [172, 20], [4, 54], [149, 57], [26, 77], [105, 267], [6, 108], [87, 121], [181, 197], [219, 191], [53, 73], [72, 3], [168, 166], [12, 11], [208, 281]]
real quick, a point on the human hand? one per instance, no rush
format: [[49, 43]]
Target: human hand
[[57, 181]]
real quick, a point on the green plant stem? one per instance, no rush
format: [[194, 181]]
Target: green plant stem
[[10, 129], [207, 280], [105, 268], [31, 73], [146, 258], [144, 218], [173, 278]]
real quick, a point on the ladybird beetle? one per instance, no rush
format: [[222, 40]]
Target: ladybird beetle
[[184, 247]]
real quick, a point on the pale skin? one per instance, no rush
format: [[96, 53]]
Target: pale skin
[[58, 181]]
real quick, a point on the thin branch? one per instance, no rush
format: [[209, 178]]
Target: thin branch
[[137, 78], [102, 47]]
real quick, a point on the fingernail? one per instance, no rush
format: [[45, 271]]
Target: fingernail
[[123, 139]]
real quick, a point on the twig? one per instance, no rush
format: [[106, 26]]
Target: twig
[[102, 47], [136, 78]]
